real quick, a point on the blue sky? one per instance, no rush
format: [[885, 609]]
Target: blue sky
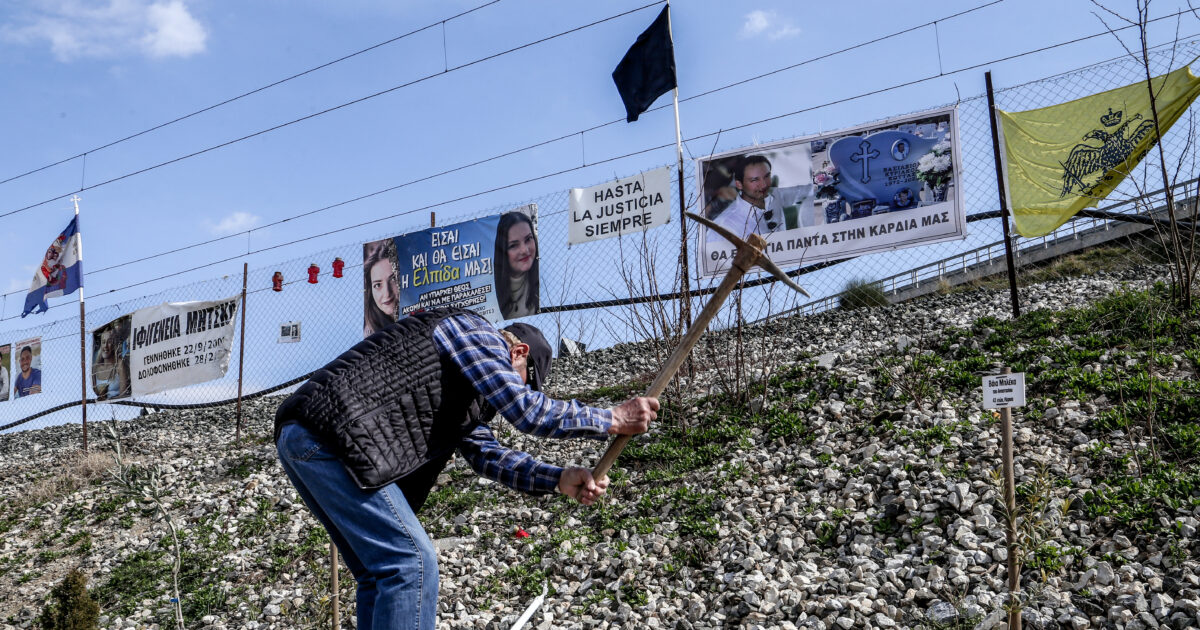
[[80, 74]]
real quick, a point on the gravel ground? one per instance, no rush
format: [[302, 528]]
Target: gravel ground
[[847, 527]]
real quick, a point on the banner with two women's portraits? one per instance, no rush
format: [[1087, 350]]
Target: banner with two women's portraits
[[838, 195], [488, 265]]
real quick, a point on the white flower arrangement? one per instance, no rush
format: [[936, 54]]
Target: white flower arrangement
[[934, 168]]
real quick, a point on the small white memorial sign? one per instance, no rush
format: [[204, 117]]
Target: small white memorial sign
[[289, 332], [1004, 390]]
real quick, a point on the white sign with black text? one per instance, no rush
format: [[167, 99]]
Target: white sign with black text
[[1003, 391], [180, 343], [624, 206]]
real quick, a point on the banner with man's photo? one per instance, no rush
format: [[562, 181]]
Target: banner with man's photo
[[26, 370], [843, 194], [162, 347], [488, 265]]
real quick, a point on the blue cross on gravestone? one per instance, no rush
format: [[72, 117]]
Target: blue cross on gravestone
[[879, 170]]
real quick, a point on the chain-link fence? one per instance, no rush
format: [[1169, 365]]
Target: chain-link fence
[[596, 293]]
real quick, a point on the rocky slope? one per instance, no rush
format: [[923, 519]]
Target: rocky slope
[[827, 500]]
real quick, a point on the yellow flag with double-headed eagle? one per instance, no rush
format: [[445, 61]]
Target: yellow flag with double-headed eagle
[[1061, 159]]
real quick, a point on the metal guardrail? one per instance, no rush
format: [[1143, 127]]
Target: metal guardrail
[[966, 261]]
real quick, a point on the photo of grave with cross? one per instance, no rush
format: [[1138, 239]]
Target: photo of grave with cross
[[847, 193]]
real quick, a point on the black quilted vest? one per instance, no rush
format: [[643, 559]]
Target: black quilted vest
[[389, 408]]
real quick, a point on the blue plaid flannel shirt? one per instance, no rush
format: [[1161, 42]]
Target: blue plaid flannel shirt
[[477, 348]]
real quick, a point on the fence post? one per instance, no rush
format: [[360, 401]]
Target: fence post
[[241, 354], [83, 367], [1008, 249], [82, 345]]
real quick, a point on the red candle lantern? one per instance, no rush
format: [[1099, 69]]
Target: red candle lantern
[[277, 281], [313, 270], [337, 267]]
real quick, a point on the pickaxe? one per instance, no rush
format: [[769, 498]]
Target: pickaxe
[[749, 254]]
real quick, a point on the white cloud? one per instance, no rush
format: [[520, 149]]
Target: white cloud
[[77, 28], [237, 222], [174, 32], [768, 24]]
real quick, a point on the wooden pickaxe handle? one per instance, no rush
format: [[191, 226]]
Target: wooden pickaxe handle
[[745, 259]]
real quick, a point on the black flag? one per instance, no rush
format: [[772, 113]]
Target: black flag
[[648, 70]]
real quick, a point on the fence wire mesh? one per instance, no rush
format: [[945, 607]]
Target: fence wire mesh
[[612, 291]]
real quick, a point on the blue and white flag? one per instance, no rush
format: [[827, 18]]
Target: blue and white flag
[[61, 271]]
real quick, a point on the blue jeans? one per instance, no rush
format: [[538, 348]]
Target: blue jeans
[[377, 533]]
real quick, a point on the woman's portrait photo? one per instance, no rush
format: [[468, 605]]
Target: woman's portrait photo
[[516, 265], [110, 360], [381, 293]]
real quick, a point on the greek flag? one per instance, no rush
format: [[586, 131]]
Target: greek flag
[[61, 270]]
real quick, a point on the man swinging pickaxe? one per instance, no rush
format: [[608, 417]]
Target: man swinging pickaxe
[[749, 254]]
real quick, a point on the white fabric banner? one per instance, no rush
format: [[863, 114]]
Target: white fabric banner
[[873, 188], [180, 343], [624, 206]]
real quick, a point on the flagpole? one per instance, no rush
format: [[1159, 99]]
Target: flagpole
[[82, 342], [685, 305], [1008, 251]]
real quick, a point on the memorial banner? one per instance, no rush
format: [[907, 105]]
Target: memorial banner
[[623, 206], [838, 195], [26, 371], [110, 360], [180, 343], [289, 332], [488, 265]]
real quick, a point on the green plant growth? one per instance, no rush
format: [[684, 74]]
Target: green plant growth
[[150, 486], [71, 606], [860, 293], [1038, 514]]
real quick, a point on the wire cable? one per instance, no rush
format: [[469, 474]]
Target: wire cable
[[564, 171], [568, 170], [514, 151], [329, 110], [246, 94]]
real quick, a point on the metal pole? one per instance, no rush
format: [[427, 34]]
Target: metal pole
[[432, 219], [83, 368], [241, 353], [685, 306], [1008, 252], [1010, 505], [82, 341]]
